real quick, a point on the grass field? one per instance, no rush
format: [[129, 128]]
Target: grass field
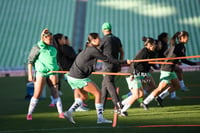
[[177, 115]]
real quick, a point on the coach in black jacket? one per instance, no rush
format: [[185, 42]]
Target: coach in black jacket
[[111, 46]]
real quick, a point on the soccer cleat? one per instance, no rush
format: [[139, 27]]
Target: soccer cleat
[[124, 114], [118, 111], [185, 89], [69, 116], [61, 115], [159, 101], [82, 108], [145, 106], [51, 105], [29, 117], [103, 120]]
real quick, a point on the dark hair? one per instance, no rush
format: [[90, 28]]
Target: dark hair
[[66, 37], [162, 36], [182, 33], [178, 35], [90, 37], [56, 37], [56, 44], [147, 40]]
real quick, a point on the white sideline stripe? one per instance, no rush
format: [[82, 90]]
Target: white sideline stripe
[[58, 129]]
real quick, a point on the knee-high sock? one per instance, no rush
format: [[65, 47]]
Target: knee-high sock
[[164, 94], [77, 103], [99, 109], [126, 100], [148, 99], [32, 105], [58, 104]]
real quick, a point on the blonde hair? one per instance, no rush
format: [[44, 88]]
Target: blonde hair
[[45, 33]]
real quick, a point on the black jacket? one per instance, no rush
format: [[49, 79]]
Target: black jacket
[[84, 63]]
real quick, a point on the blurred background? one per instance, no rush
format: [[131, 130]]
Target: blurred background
[[23, 20]]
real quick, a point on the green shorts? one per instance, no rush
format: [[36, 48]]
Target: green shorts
[[46, 75], [136, 83], [77, 83], [167, 76]]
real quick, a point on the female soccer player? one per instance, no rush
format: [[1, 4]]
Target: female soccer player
[[139, 70], [78, 79], [182, 40], [43, 58], [168, 75], [66, 56]]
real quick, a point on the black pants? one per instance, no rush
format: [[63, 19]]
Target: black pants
[[108, 87]]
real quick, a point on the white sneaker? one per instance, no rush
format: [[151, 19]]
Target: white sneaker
[[69, 116], [82, 108], [103, 120]]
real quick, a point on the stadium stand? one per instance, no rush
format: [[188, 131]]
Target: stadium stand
[[132, 19], [22, 21]]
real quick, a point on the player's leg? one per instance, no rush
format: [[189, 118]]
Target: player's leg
[[93, 89], [38, 86], [174, 85], [111, 88], [162, 85], [148, 85], [82, 96], [104, 92], [137, 93], [179, 72], [53, 84]]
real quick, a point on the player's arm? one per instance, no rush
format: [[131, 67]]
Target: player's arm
[[34, 53], [121, 51]]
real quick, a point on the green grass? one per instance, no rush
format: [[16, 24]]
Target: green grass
[[13, 111]]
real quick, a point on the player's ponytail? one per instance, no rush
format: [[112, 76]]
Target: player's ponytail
[[147, 40], [182, 33]]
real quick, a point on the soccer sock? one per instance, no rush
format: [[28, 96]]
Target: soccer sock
[[77, 103], [182, 84], [126, 107], [148, 99], [140, 100], [164, 94], [126, 100], [32, 105], [173, 94], [59, 104], [99, 109]]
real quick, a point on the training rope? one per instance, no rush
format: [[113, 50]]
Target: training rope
[[157, 62], [150, 61], [171, 58], [158, 59]]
